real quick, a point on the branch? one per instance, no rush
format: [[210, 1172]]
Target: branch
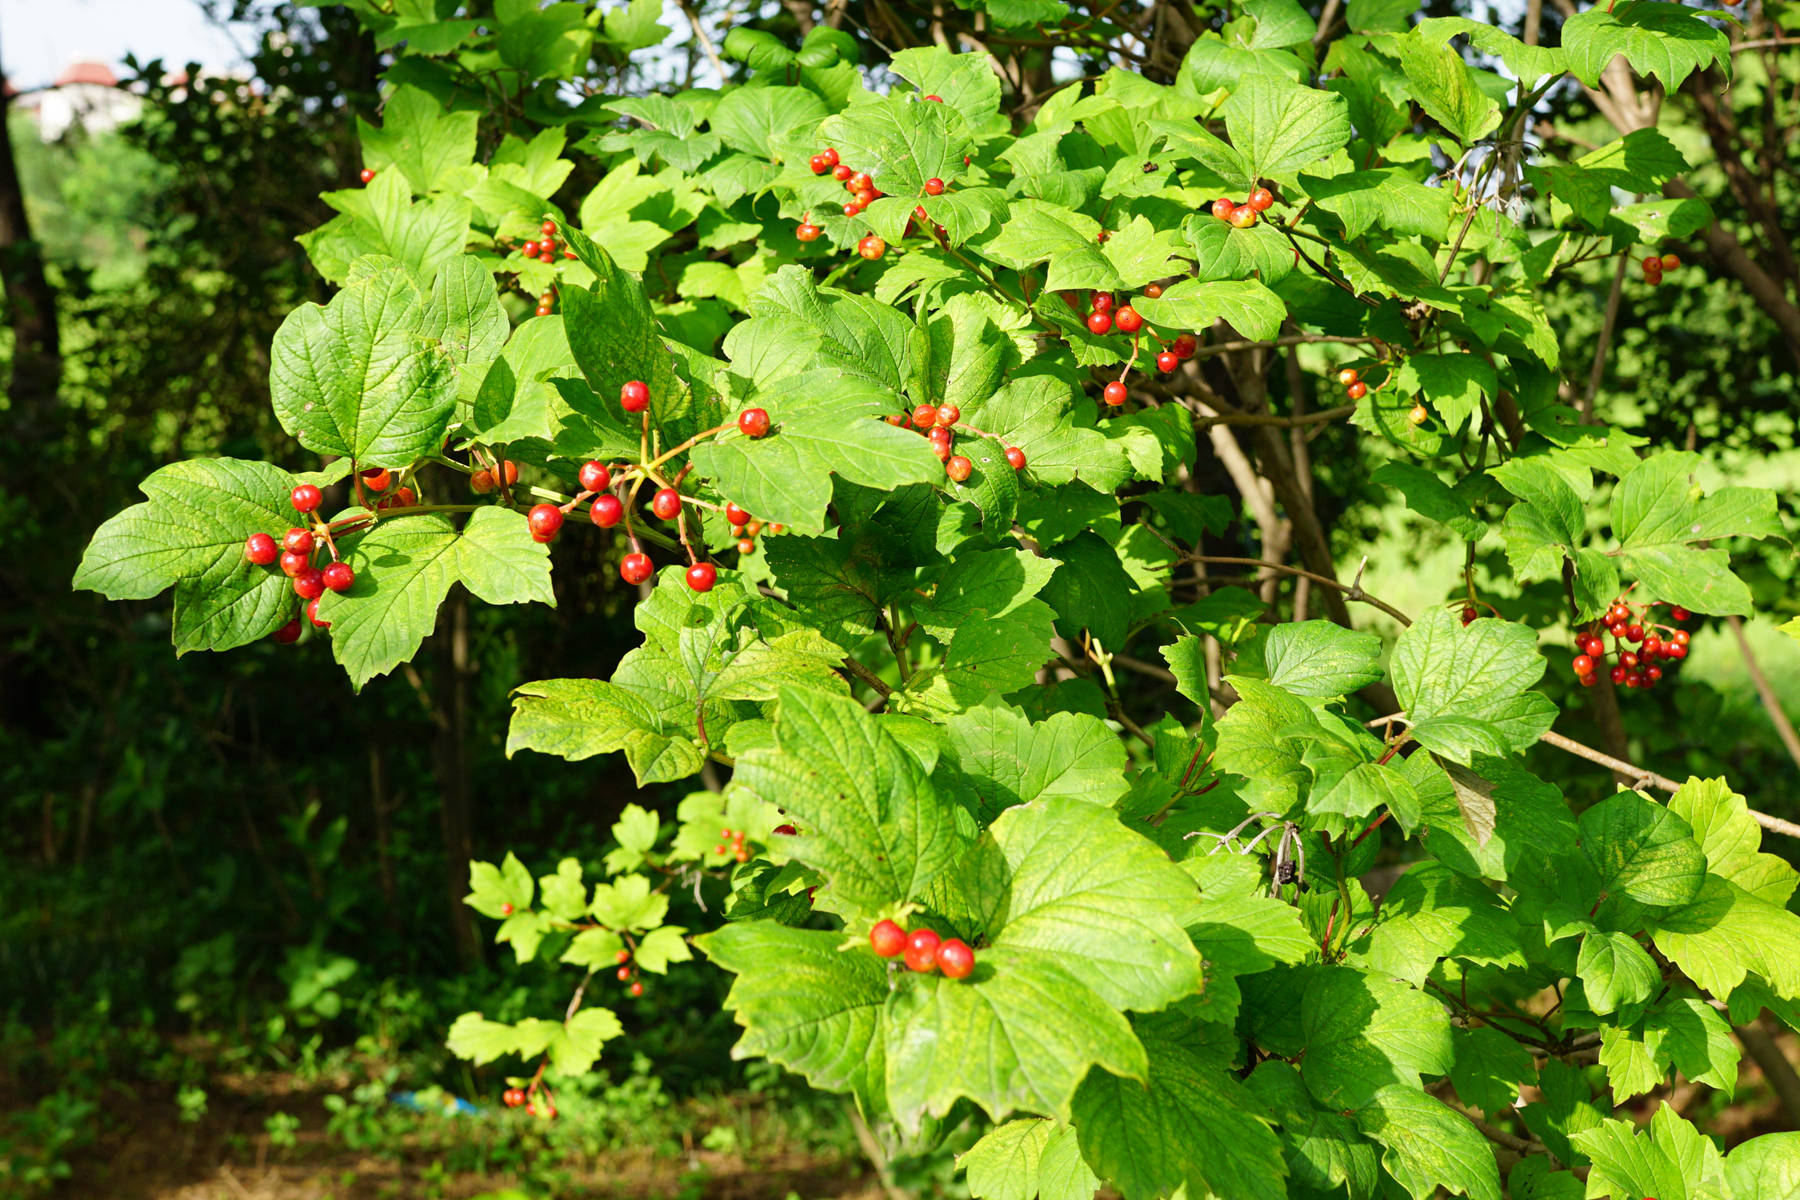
[[1783, 727], [1244, 418], [1772, 824], [867, 676], [1352, 591]]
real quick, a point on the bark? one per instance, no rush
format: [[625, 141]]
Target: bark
[[30, 307], [450, 764]]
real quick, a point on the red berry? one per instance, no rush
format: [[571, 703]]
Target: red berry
[[636, 568], [1653, 645], [959, 468], [818, 164], [934, 186], [606, 511], [1618, 674], [925, 416], [292, 564], [1167, 361], [921, 951], [955, 959], [666, 503], [806, 231], [1583, 665], [1186, 345], [1102, 302], [288, 634], [506, 908], [548, 256], [1628, 660], [1634, 633], [1127, 320], [1243, 217], [377, 478], [260, 549], [621, 956], [543, 310], [785, 830], [746, 546], [736, 515], [1222, 208], [753, 422], [595, 477], [1678, 613], [887, 939], [634, 397], [702, 576], [1589, 680], [1593, 647], [1015, 458], [1357, 390], [306, 498], [309, 584], [1679, 650], [871, 247], [865, 197], [1635, 679], [529, 249], [1468, 616], [940, 100], [545, 520], [1115, 392], [948, 415], [368, 173], [481, 482], [1262, 199], [1680, 637], [338, 576], [840, 172], [941, 440], [1670, 262], [312, 614], [1099, 323], [637, 989], [622, 974], [830, 156], [1348, 376], [1653, 264], [1154, 291]]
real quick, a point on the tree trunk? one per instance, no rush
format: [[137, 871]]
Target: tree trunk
[[30, 305], [450, 763]]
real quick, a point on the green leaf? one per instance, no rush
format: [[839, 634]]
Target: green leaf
[[823, 423], [1445, 86], [474, 1037], [1478, 672], [1691, 1035], [899, 141], [613, 333], [419, 139], [1389, 197], [1729, 837], [1660, 39], [1324, 1150], [1430, 497], [1017, 1035], [493, 890], [361, 376], [806, 1004], [1489, 1068], [1246, 305], [1036, 231], [628, 903], [1657, 514], [1726, 933], [1011, 761], [576, 1045], [1432, 913], [1364, 1032], [875, 826], [1193, 1125], [1320, 658], [405, 567], [660, 947], [564, 895], [1453, 384], [190, 535], [579, 718], [1642, 850], [1671, 1159], [966, 83], [1765, 1166], [1616, 972], [1428, 1145], [1279, 126], [1026, 1158], [1222, 251], [382, 219], [1065, 878]]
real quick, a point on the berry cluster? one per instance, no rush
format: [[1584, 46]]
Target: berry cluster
[[514, 1097], [545, 248], [628, 973], [1635, 668], [1654, 266], [863, 193], [937, 422], [732, 843], [922, 950], [1244, 215], [295, 556]]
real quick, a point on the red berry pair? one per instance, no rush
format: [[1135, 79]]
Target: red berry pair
[[1244, 215], [484, 481], [922, 950]]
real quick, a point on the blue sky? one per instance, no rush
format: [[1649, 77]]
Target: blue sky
[[38, 37]]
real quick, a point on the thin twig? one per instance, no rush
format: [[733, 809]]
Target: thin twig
[[1244, 418], [1353, 591], [867, 676], [1784, 729], [1772, 824]]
